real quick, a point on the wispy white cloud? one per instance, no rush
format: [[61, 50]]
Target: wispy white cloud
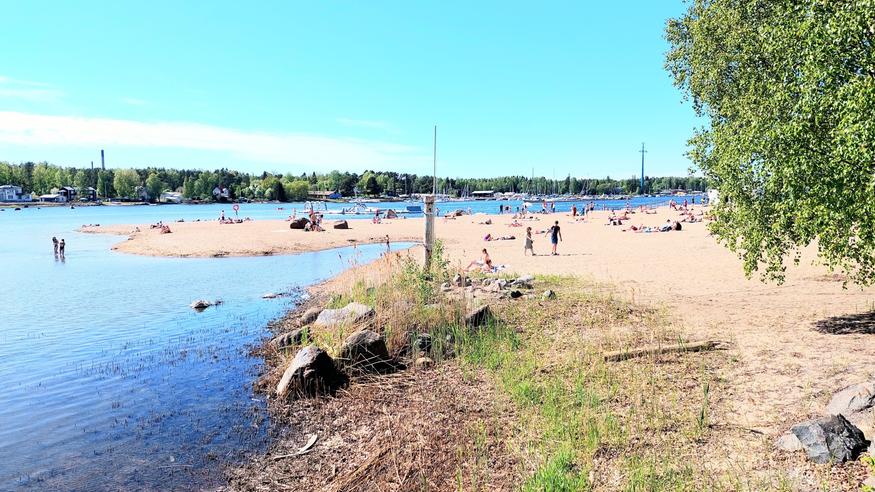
[[29, 90], [314, 151]]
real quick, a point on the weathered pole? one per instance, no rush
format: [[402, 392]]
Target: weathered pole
[[429, 229], [429, 207]]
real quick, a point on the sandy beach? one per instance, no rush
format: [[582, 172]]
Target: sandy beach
[[786, 369]]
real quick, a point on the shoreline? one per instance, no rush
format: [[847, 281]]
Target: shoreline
[[775, 330]]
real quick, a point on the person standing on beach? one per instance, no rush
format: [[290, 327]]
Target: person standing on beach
[[61, 247], [555, 237], [574, 210], [529, 247], [55, 244]]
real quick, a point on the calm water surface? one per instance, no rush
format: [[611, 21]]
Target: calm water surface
[[108, 380]]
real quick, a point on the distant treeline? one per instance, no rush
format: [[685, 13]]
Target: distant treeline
[[40, 178]]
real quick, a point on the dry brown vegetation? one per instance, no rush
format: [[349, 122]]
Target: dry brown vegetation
[[527, 402]]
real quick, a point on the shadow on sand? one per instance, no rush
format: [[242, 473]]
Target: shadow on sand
[[861, 323]]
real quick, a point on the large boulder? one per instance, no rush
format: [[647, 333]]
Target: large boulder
[[830, 439], [478, 316], [853, 399], [299, 223], [350, 314], [523, 282], [365, 350], [290, 339], [309, 316], [857, 404], [341, 224], [311, 373]]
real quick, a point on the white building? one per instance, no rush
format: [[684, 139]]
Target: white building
[[221, 192], [12, 193], [170, 197]]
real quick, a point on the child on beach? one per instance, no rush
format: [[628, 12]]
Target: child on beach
[[61, 247], [55, 243], [555, 237], [529, 247]]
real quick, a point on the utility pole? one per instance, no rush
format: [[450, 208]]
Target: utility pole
[[434, 164], [641, 191]]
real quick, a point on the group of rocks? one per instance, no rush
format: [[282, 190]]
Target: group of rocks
[[202, 304], [314, 372], [846, 431], [520, 287], [301, 223]]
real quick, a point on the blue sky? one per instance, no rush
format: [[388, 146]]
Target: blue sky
[[564, 87]]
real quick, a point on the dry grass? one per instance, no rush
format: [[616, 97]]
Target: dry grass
[[417, 430], [527, 402]]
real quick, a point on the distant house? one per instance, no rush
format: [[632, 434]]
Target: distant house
[[323, 195], [67, 192], [88, 194], [12, 193], [170, 197], [52, 197], [142, 193], [220, 192]]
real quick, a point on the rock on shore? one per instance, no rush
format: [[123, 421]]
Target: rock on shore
[[311, 373], [830, 439], [365, 350], [351, 314]]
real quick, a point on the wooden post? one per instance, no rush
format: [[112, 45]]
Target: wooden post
[[429, 229]]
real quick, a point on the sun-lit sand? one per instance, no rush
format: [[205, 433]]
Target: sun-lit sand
[[785, 370]]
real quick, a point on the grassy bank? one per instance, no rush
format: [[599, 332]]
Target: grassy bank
[[526, 401], [587, 424]]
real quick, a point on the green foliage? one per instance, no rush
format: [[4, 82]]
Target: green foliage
[[296, 191], [425, 281], [195, 184], [125, 182], [788, 89], [154, 186]]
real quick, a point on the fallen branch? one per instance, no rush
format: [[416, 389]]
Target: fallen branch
[[664, 349], [304, 450]]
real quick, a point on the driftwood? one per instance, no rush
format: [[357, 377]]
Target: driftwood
[[303, 450], [663, 349]]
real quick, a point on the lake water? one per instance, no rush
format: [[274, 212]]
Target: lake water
[[108, 380]]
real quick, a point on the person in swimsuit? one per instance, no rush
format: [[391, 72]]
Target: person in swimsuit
[[55, 244], [61, 247], [484, 263], [555, 237]]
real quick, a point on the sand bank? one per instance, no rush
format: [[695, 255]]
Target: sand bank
[[787, 364]]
